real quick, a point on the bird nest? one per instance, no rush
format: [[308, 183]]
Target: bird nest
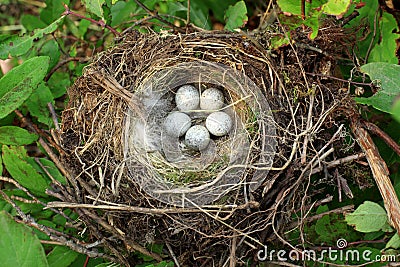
[[134, 188]]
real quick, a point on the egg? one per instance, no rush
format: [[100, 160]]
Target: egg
[[219, 123], [197, 137], [177, 123], [187, 98], [211, 99]]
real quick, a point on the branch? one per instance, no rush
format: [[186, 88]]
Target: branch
[[381, 134], [379, 169], [101, 23]]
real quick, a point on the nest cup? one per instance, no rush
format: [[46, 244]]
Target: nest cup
[[157, 163]]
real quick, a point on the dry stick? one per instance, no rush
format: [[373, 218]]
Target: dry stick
[[379, 170], [340, 161], [51, 154], [171, 252], [232, 257], [100, 22], [381, 134], [53, 116], [340, 210], [38, 131], [31, 222], [62, 63], [155, 14], [129, 244]]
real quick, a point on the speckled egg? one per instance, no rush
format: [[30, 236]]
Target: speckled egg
[[187, 98], [219, 123], [197, 137], [211, 99], [176, 124]]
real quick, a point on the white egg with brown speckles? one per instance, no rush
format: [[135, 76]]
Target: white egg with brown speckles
[[197, 137], [187, 98], [219, 123], [176, 124], [211, 99]]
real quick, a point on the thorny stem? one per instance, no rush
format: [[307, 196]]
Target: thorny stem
[[342, 80], [101, 23]]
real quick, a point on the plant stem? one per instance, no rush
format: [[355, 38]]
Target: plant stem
[[101, 23]]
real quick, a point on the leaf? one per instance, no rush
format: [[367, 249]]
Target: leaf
[[17, 46], [19, 246], [17, 85], [61, 257], [368, 217], [199, 14], [31, 22], [51, 49], [396, 109], [389, 76], [14, 159], [394, 242], [385, 50], [53, 10], [121, 12], [53, 171], [336, 7], [16, 136], [58, 83], [95, 7], [37, 104], [236, 16]]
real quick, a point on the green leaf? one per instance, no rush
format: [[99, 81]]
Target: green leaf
[[389, 77], [199, 14], [236, 16], [31, 22], [394, 242], [19, 246], [16, 136], [336, 7], [58, 83], [17, 46], [368, 217], [51, 49], [61, 257], [17, 85], [53, 171], [53, 10], [121, 12], [37, 104], [14, 159], [95, 6], [385, 50], [396, 109]]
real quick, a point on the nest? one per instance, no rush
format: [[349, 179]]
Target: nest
[[131, 197]]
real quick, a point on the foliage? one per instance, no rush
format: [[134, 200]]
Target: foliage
[[46, 62]]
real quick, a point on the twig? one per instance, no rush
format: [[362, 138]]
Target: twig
[[381, 134], [340, 161], [379, 170], [101, 23], [171, 252], [53, 115], [340, 210], [32, 127], [232, 257], [155, 14], [62, 63], [28, 220], [188, 13], [371, 84]]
